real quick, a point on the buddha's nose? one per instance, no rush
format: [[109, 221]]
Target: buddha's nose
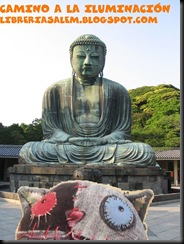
[[87, 60]]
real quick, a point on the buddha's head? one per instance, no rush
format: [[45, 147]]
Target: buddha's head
[[87, 56]]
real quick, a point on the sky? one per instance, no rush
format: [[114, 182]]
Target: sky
[[33, 56]]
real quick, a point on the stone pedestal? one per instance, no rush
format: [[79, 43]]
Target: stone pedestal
[[124, 177]]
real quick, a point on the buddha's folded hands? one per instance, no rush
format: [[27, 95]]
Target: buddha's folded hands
[[87, 141]]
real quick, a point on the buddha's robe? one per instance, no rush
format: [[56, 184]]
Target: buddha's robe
[[109, 118]]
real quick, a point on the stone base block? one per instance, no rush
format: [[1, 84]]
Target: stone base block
[[123, 177]]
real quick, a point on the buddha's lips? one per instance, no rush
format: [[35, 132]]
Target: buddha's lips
[[87, 69]]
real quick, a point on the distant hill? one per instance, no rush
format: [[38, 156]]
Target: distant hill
[[156, 115]]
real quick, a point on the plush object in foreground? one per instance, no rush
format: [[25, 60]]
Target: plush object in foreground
[[83, 210]]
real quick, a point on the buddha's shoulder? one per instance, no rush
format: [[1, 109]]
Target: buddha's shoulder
[[114, 84], [59, 84]]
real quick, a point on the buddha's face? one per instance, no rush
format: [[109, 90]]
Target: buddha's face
[[87, 61]]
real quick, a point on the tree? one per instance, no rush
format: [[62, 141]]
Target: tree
[[33, 132], [12, 134], [156, 115]]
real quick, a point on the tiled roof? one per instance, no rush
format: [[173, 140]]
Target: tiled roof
[[168, 154], [10, 151]]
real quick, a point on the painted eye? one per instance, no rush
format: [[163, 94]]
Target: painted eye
[[116, 213], [44, 205]]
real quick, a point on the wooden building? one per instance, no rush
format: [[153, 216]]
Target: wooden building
[[8, 157], [170, 161]]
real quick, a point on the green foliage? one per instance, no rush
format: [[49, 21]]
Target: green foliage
[[33, 132], [156, 115], [19, 135], [11, 134]]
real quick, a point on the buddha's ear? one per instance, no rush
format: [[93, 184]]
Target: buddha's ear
[[141, 200], [29, 195]]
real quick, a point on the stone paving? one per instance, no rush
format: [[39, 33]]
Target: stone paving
[[10, 214], [164, 221]]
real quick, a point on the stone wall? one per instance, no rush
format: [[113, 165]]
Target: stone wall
[[124, 177]]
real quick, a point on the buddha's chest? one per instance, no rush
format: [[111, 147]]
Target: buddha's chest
[[86, 104]]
